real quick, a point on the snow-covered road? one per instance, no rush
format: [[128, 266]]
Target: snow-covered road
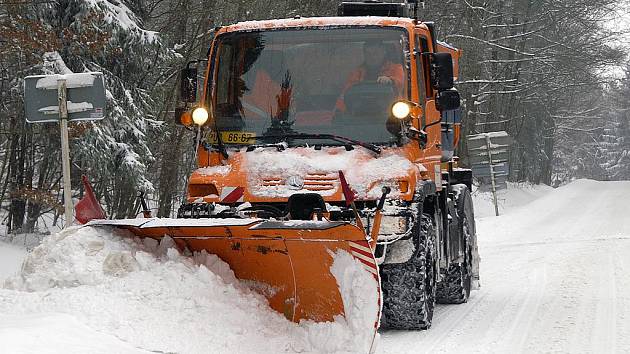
[[555, 278]]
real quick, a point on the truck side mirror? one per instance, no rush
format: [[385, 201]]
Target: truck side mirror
[[442, 71], [447, 100], [188, 85]]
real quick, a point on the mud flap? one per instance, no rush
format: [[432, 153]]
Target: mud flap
[[288, 262]]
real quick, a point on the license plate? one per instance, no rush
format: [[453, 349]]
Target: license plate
[[233, 137]]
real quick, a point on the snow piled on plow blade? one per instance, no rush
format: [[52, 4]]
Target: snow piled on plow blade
[[151, 297]]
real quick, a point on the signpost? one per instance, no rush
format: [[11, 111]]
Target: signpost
[[63, 98], [489, 153]]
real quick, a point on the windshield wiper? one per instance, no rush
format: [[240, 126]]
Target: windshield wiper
[[277, 146], [220, 144], [338, 138]]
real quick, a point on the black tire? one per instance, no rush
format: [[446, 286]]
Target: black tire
[[409, 288], [456, 285]]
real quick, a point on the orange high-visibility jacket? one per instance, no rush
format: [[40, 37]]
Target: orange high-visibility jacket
[[260, 101], [389, 69]]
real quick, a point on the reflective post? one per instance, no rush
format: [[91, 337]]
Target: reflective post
[[494, 185], [65, 152]]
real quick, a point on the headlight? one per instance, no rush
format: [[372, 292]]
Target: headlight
[[200, 116], [401, 110]]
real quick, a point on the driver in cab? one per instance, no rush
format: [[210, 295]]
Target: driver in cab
[[376, 68]]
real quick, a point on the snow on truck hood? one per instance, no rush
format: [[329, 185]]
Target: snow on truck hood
[[266, 173], [361, 167]]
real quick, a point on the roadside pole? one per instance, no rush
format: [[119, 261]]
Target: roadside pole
[[489, 155], [65, 152], [492, 176]]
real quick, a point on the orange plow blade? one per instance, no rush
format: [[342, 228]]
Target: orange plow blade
[[289, 262]]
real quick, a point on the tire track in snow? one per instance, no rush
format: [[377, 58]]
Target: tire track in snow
[[477, 326], [445, 319], [516, 337], [564, 319], [499, 321], [581, 338], [622, 304], [605, 329], [454, 318]]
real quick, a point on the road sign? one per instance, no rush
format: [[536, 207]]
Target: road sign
[[483, 170], [497, 139], [481, 157], [85, 96], [488, 155], [61, 98]]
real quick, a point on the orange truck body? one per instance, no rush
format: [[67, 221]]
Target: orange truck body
[[206, 187]]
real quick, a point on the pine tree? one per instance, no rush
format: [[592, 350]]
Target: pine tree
[[107, 36]]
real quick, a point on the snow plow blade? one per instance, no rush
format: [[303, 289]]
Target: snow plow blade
[[289, 262]]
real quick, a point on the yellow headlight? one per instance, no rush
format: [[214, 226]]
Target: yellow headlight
[[401, 110], [200, 116]]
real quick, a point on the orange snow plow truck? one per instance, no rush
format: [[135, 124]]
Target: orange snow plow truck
[[323, 140]]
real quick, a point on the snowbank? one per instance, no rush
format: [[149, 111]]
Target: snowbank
[[358, 291], [151, 297], [565, 203], [11, 257], [515, 196]]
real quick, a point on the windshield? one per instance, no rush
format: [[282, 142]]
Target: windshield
[[338, 81]]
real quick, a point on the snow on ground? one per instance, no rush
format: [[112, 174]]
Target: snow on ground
[[554, 278], [89, 290], [11, 257], [517, 194], [56, 333]]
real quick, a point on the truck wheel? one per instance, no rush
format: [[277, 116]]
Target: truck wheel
[[409, 288], [455, 286]]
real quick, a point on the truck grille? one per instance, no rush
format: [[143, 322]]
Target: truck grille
[[312, 182]]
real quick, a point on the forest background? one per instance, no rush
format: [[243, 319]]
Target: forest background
[[553, 73]]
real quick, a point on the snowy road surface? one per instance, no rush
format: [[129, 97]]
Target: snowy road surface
[[555, 278]]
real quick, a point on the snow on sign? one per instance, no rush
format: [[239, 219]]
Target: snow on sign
[[85, 97]]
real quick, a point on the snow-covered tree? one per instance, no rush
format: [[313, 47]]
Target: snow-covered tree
[[106, 36], [614, 143], [531, 68]]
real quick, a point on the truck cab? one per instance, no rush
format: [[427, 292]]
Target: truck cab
[[289, 110]]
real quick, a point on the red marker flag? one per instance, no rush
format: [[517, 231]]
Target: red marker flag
[[88, 208], [348, 193]]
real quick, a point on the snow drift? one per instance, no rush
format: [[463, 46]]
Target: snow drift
[[154, 298]]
